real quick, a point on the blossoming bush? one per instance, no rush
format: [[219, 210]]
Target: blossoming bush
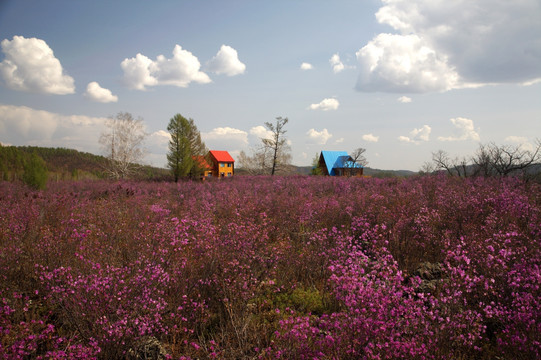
[[271, 268]]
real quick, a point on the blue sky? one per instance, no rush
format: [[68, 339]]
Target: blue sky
[[401, 78]]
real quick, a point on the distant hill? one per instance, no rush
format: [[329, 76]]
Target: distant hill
[[69, 164], [65, 164], [306, 170]]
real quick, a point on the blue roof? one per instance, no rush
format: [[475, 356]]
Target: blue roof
[[346, 162], [330, 158], [338, 160]]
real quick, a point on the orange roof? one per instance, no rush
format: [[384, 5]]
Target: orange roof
[[202, 162], [221, 156]]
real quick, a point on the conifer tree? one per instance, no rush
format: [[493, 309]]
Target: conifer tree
[[184, 145]]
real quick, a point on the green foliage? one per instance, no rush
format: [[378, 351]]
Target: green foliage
[[303, 301], [185, 143], [316, 170], [35, 172]]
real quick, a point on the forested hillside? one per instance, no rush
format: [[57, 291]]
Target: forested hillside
[[62, 164]]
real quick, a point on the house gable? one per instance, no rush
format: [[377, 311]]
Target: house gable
[[338, 163], [222, 163]]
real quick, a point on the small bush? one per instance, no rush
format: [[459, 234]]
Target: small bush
[[35, 172]]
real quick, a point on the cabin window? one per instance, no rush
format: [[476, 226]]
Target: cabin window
[[229, 165], [222, 164]]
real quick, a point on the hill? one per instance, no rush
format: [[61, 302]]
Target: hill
[[70, 164], [64, 164], [306, 170]]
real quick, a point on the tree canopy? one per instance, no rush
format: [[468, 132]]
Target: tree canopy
[[274, 155], [123, 144], [185, 144]]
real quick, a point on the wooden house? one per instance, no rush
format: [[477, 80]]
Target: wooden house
[[203, 166], [338, 163], [223, 164]]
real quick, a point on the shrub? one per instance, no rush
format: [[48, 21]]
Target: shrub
[[35, 172]]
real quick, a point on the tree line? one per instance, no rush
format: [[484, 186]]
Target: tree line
[[123, 140], [490, 160], [17, 164]]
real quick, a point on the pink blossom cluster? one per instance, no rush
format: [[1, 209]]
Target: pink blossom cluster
[[272, 268]]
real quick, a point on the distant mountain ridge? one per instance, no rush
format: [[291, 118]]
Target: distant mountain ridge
[[306, 170], [65, 164], [70, 164]]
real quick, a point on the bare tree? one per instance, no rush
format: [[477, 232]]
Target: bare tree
[[427, 168], [277, 144], [508, 160], [123, 144], [358, 156], [454, 167], [482, 160], [442, 161], [274, 154], [258, 163], [492, 160]]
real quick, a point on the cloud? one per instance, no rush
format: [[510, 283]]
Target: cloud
[[403, 63], [96, 93], [261, 132], [306, 66], [370, 138], [339, 141], [26, 126], [466, 131], [452, 45], [319, 137], [516, 139], [180, 70], [325, 105], [226, 62], [30, 65], [158, 141], [227, 134], [404, 99], [161, 136], [417, 135], [521, 141], [336, 63]]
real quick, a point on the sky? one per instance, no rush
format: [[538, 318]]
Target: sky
[[400, 78]]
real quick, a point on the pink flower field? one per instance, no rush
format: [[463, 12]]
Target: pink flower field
[[272, 268]]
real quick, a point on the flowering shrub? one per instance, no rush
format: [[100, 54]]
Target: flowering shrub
[[271, 268]]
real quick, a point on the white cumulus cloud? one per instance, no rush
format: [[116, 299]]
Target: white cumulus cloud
[[336, 63], [226, 62], [96, 93], [404, 99], [23, 125], [325, 105], [306, 66], [30, 65], [403, 63], [465, 131], [226, 138], [319, 137], [454, 44], [228, 133], [370, 138], [261, 132], [179, 70], [522, 141], [417, 135]]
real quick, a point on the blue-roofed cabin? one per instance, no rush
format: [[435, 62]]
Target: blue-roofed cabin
[[339, 163]]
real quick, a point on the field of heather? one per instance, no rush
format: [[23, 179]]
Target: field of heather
[[272, 268]]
